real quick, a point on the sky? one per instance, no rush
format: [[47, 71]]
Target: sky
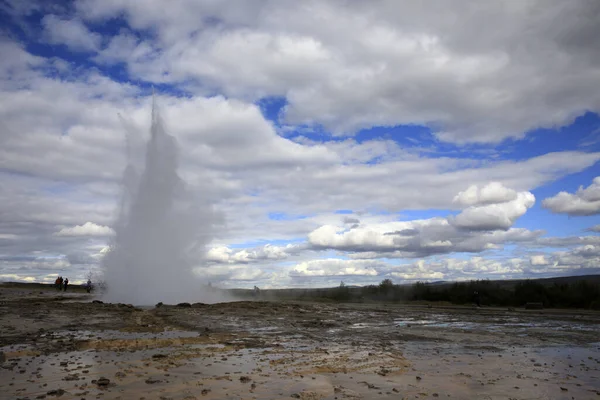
[[338, 140]]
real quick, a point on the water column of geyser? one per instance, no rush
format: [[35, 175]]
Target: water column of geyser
[[158, 224]]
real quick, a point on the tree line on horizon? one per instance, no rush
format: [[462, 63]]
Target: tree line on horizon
[[579, 294]]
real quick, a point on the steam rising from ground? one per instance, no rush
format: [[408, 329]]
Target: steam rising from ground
[[161, 229]]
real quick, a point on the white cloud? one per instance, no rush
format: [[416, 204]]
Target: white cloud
[[87, 229], [494, 216], [335, 267], [493, 192], [331, 61], [420, 238], [595, 228], [586, 201], [268, 252], [539, 259], [70, 32]]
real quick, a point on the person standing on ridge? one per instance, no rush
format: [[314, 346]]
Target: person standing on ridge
[[66, 283]]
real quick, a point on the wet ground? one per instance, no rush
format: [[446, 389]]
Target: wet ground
[[65, 346]]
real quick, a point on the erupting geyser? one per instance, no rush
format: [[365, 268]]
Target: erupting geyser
[[161, 228]]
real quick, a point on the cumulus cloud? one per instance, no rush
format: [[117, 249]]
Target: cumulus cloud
[[226, 255], [539, 259], [420, 238], [495, 216], [330, 61], [70, 32], [586, 201], [87, 229], [595, 228], [493, 192], [335, 267]]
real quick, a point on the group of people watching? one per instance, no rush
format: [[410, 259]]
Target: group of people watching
[[61, 284]]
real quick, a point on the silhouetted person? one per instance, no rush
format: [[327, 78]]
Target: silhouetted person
[[65, 284], [58, 283], [88, 286], [477, 299]]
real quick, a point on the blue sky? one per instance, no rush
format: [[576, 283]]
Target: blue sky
[[380, 144]]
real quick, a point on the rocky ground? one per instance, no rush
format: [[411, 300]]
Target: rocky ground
[[57, 345]]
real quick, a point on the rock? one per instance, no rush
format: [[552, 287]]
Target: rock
[[205, 392], [156, 356], [564, 389], [7, 365], [151, 381], [184, 305], [97, 302], [103, 382], [56, 392], [72, 377], [245, 379], [159, 304]]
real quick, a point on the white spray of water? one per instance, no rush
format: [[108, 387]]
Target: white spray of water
[[161, 229]]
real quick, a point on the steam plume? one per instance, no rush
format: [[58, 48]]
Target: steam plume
[[161, 229]]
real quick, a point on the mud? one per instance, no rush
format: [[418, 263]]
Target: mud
[[65, 346]]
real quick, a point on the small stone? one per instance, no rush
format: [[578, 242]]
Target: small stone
[[564, 389], [103, 381], [245, 379]]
